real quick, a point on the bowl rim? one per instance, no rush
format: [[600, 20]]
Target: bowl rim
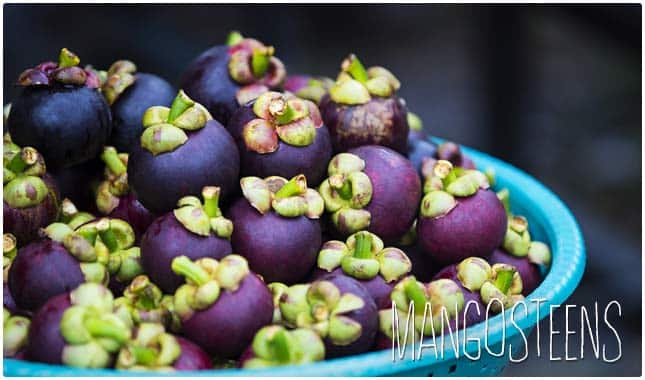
[[548, 210]]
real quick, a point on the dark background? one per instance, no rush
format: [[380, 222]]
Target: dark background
[[555, 90]]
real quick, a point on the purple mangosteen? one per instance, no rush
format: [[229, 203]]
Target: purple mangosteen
[[362, 108], [274, 346], [338, 308], [222, 305], [371, 188], [279, 134], [448, 151], [277, 227], [308, 87], [143, 302], [60, 112], [459, 216], [225, 77], [182, 150], [79, 183], [30, 196], [15, 331], [364, 258], [194, 229]]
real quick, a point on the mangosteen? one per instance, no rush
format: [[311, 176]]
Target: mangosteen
[[80, 183], [222, 305], [15, 330], [459, 216], [276, 346], [151, 348], [78, 329], [225, 77], [308, 87], [194, 229], [281, 135], [422, 267], [30, 196], [503, 289], [338, 308], [182, 150], [277, 228], [364, 258], [371, 188], [129, 94], [143, 302], [114, 197], [448, 151], [60, 112], [362, 108]]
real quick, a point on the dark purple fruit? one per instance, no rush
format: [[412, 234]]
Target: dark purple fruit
[[223, 305], [182, 150], [308, 87], [274, 346], [448, 151], [281, 135], [45, 340], [60, 112], [192, 357], [279, 238], [362, 108], [194, 229], [79, 183], [225, 77], [367, 187]]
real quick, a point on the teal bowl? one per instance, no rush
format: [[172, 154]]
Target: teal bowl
[[550, 221]]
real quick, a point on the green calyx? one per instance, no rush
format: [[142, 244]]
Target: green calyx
[[23, 169], [517, 240], [165, 128], [252, 62], [92, 332], [234, 37], [287, 198], [277, 290], [72, 217], [204, 218], [539, 253], [356, 85], [275, 346], [473, 272], [120, 76], [115, 184], [151, 348], [414, 122], [346, 192], [143, 301], [364, 257], [204, 280], [321, 307], [504, 288], [281, 117], [15, 332], [9, 252], [315, 89]]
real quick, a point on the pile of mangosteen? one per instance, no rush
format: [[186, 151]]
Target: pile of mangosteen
[[245, 218]]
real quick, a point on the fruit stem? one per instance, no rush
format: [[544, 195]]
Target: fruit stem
[[181, 103], [67, 59], [211, 200], [107, 235], [193, 272], [260, 61], [416, 294], [355, 68], [342, 186], [504, 280], [112, 161], [106, 329], [282, 111], [26, 157], [233, 38], [296, 186], [363, 248]]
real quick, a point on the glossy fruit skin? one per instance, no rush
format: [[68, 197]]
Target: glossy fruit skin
[[396, 191], [132, 211], [24, 223], [68, 125], [473, 316], [78, 183], [475, 227], [277, 248], [192, 357], [377, 288], [228, 326], [353, 126], [288, 160], [167, 238], [41, 270], [529, 272], [147, 90], [45, 340], [207, 81], [367, 316], [208, 158]]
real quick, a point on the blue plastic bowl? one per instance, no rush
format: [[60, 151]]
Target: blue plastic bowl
[[550, 221]]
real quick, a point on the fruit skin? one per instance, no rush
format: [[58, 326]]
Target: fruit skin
[[228, 326], [419, 149], [68, 125], [41, 270], [77, 182], [422, 266], [396, 191], [377, 288], [472, 317], [351, 126], [279, 249], [367, 316], [132, 211], [24, 223], [529, 272], [475, 227], [167, 238], [208, 158], [288, 160], [192, 357], [147, 90], [45, 340]]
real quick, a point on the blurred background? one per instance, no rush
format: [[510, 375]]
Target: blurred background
[[555, 90]]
